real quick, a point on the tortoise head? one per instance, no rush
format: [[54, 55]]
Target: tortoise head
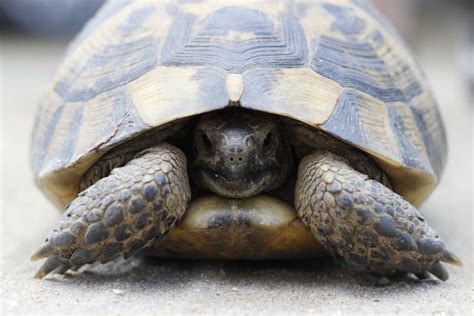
[[240, 153]]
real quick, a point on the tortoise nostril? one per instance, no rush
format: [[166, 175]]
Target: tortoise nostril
[[234, 159]]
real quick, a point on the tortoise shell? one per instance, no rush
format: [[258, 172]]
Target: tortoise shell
[[335, 65]]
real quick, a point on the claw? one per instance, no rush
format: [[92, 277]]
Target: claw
[[63, 268], [44, 251], [423, 275], [76, 268], [451, 258], [51, 264], [439, 271]]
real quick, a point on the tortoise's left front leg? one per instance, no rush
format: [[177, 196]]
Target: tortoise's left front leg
[[364, 221], [121, 213]]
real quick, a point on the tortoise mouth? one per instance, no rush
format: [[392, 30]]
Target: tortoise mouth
[[237, 185], [254, 177]]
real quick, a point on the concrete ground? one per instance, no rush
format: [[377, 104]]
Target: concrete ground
[[163, 287]]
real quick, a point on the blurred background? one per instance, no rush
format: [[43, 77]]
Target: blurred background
[[33, 37]]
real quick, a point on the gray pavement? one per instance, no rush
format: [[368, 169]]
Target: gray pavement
[[163, 287]]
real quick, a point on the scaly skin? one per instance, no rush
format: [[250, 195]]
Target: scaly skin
[[365, 222], [347, 203], [120, 214]]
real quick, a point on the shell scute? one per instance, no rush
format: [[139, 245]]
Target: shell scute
[[337, 66]]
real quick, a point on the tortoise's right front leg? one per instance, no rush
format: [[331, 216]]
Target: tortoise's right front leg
[[120, 214]]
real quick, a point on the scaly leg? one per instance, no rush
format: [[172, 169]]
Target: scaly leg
[[121, 213], [364, 221]]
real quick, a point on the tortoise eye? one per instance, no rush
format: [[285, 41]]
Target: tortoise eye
[[206, 141], [267, 141]]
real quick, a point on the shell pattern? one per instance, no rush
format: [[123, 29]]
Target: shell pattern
[[336, 65]]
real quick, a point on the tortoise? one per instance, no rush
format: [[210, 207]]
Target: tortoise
[[240, 130]]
